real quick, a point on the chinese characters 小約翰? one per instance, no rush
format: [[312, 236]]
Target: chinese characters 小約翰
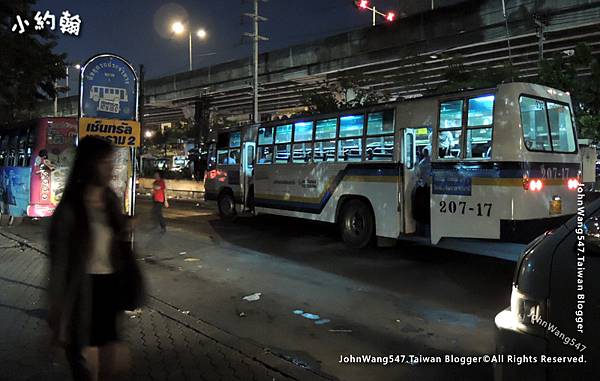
[[68, 24]]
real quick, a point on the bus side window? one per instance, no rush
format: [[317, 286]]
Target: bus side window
[[380, 136], [234, 139], [265, 154], [351, 125], [302, 153], [234, 156], [324, 151], [222, 156], [480, 120], [350, 150], [302, 148], [450, 129]]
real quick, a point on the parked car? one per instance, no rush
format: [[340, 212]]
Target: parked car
[[555, 306]]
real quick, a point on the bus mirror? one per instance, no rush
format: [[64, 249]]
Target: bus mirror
[[591, 229]]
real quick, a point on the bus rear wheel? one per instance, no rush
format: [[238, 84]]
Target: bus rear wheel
[[357, 224], [226, 206]]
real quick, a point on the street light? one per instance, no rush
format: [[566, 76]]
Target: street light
[[77, 67], [65, 88], [178, 28], [364, 4]]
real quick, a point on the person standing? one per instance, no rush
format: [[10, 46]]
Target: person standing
[[421, 200], [424, 169], [159, 200], [88, 237]]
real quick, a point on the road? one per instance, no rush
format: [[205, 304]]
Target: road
[[407, 299]]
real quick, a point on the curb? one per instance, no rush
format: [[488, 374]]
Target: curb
[[237, 344]]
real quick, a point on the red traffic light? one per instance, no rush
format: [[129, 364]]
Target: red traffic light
[[390, 16], [363, 4]]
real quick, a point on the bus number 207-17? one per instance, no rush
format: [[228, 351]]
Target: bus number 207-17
[[461, 207]]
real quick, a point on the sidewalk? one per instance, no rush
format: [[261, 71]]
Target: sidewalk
[[163, 347]]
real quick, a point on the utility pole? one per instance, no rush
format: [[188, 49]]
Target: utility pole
[[507, 34], [55, 98], [190, 48], [541, 26], [257, 38]]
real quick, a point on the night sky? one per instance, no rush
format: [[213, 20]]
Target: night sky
[[139, 29]]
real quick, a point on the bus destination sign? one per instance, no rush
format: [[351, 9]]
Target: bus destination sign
[[122, 133], [108, 88]]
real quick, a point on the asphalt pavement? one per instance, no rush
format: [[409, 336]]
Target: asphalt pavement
[[289, 293]]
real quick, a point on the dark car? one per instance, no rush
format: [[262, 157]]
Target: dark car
[[552, 327]]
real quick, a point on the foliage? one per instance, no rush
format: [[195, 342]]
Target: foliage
[[561, 71], [349, 92], [460, 77], [28, 67]]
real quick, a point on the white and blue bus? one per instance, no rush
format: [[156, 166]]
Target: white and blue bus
[[504, 167]]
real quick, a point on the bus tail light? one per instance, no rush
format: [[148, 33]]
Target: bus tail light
[[534, 185], [572, 184]]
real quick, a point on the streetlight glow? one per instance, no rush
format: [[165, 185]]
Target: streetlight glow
[[177, 27], [148, 133], [77, 66]]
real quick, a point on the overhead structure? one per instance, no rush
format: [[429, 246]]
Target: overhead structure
[[405, 59]]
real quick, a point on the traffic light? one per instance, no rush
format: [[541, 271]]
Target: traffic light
[[390, 16], [362, 4]]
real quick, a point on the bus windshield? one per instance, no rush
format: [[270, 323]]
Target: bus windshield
[[547, 125]]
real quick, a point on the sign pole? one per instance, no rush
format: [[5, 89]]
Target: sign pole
[[109, 109]]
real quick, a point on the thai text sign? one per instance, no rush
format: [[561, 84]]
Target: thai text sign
[[108, 88], [122, 133]]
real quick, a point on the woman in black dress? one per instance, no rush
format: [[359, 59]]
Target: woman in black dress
[[87, 235]]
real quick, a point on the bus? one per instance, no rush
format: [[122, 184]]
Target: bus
[[35, 159], [111, 94], [504, 167]]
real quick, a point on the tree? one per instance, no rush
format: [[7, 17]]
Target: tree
[[461, 77], [28, 67], [349, 92], [563, 71]]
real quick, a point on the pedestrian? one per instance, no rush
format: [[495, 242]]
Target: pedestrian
[[421, 198], [424, 168], [90, 257], [159, 199], [43, 162]]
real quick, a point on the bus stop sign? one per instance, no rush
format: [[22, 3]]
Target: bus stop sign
[[109, 87]]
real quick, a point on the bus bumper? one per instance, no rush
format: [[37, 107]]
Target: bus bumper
[[40, 210], [524, 231]]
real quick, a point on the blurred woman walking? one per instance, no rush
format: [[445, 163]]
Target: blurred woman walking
[[90, 259]]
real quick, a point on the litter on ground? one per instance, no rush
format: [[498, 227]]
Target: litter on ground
[[252, 297]]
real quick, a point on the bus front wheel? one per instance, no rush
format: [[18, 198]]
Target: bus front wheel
[[226, 205], [357, 223]]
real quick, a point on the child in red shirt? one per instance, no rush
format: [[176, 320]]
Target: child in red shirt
[[159, 198]]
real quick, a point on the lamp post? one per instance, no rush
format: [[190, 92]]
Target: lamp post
[[65, 88], [77, 67], [178, 28], [389, 16]]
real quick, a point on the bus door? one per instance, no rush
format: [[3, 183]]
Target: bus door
[[417, 145], [409, 179], [247, 171]]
